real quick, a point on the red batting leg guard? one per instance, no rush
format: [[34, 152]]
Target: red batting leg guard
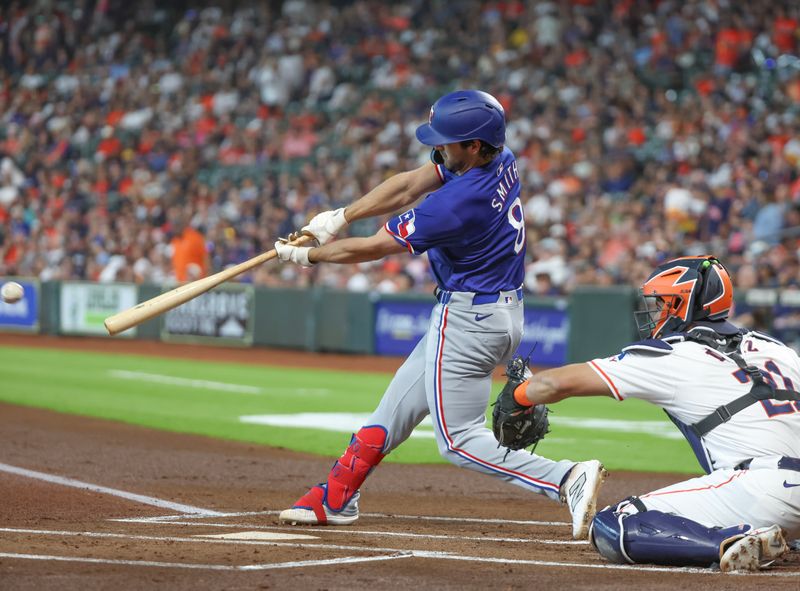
[[350, 471]]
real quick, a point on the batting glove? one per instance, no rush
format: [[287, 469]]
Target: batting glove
[[289, 253], [323, 226]]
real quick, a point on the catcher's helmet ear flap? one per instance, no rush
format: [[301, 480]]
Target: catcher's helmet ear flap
[[682, 291], [464, 115], [716, 297]]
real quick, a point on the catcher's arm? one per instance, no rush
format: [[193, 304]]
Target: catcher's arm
[[553, 385], [519, 418]]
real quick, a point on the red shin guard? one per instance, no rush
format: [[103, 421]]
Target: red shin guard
[[350, 471]]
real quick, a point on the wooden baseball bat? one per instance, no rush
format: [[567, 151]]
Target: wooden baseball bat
[[180, 295]]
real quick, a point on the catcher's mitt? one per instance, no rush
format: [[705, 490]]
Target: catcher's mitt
[[516, 426]]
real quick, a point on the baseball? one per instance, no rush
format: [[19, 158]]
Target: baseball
[[12, 292]]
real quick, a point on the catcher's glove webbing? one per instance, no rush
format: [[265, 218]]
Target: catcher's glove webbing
[[516, 426]]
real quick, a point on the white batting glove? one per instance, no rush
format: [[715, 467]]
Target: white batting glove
[[289, 253], [324, 226]]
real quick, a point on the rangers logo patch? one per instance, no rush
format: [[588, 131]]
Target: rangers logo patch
[[406, 226]]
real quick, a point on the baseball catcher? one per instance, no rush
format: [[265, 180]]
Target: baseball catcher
[[515, 425]]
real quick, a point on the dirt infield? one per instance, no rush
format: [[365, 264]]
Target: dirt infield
[[425, 527]]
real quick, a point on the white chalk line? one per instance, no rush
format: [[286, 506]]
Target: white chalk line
[[196, 540], [116, 561], [141, 376], [329, 561], [391, 553], [223, 567], [146, 500], [349, 531], [464, 519], [169, 518], [604, 566]]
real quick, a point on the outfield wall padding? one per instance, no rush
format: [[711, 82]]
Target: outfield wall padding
[[284, 318], [601, 321]]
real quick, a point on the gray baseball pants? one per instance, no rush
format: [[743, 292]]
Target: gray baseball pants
[[448, 375]]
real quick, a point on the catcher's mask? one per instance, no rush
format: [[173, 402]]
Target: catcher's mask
[[682, 291]]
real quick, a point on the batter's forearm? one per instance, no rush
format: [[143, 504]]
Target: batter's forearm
[[348, 250]]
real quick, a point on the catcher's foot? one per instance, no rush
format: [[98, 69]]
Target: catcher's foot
[[311, 509], [579, 492], [756, 550]]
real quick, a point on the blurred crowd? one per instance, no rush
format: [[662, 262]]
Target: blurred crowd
[[158, 142]]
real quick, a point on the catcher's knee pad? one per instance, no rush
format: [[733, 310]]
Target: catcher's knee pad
[[349, 472], [657, 538]]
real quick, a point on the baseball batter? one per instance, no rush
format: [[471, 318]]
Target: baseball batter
[[732, 394], [471, 227]]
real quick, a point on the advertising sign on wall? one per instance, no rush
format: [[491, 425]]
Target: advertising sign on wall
[[224, 316], [399, 325], [84, 306], [548, 329], [24, 314]]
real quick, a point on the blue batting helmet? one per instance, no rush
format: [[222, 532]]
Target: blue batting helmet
[[464, 115]]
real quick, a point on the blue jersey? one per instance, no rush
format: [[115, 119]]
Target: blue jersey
[[472, 228]]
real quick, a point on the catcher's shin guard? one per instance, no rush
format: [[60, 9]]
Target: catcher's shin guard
[[654, 537], [349, 472]]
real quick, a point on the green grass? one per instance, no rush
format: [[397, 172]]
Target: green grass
[[91, 384]]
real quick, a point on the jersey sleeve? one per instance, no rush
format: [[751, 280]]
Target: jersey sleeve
[[646, 376], [434, 222], [444, 174]]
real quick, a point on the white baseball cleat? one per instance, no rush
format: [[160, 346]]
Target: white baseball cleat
[[579, 492], [312, 509], [756, 550]]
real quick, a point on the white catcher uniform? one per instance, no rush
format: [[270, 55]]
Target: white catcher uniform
[[689, 381]]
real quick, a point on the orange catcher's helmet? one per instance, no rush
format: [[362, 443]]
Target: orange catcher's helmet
[[681, 292]]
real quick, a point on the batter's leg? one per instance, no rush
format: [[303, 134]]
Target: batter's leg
[[459, 366], [403, 406], [404, 403]]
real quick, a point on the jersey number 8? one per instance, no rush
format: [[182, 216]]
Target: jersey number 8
[[517, 221]]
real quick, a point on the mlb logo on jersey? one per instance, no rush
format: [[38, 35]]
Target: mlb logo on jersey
[[406, 226]]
